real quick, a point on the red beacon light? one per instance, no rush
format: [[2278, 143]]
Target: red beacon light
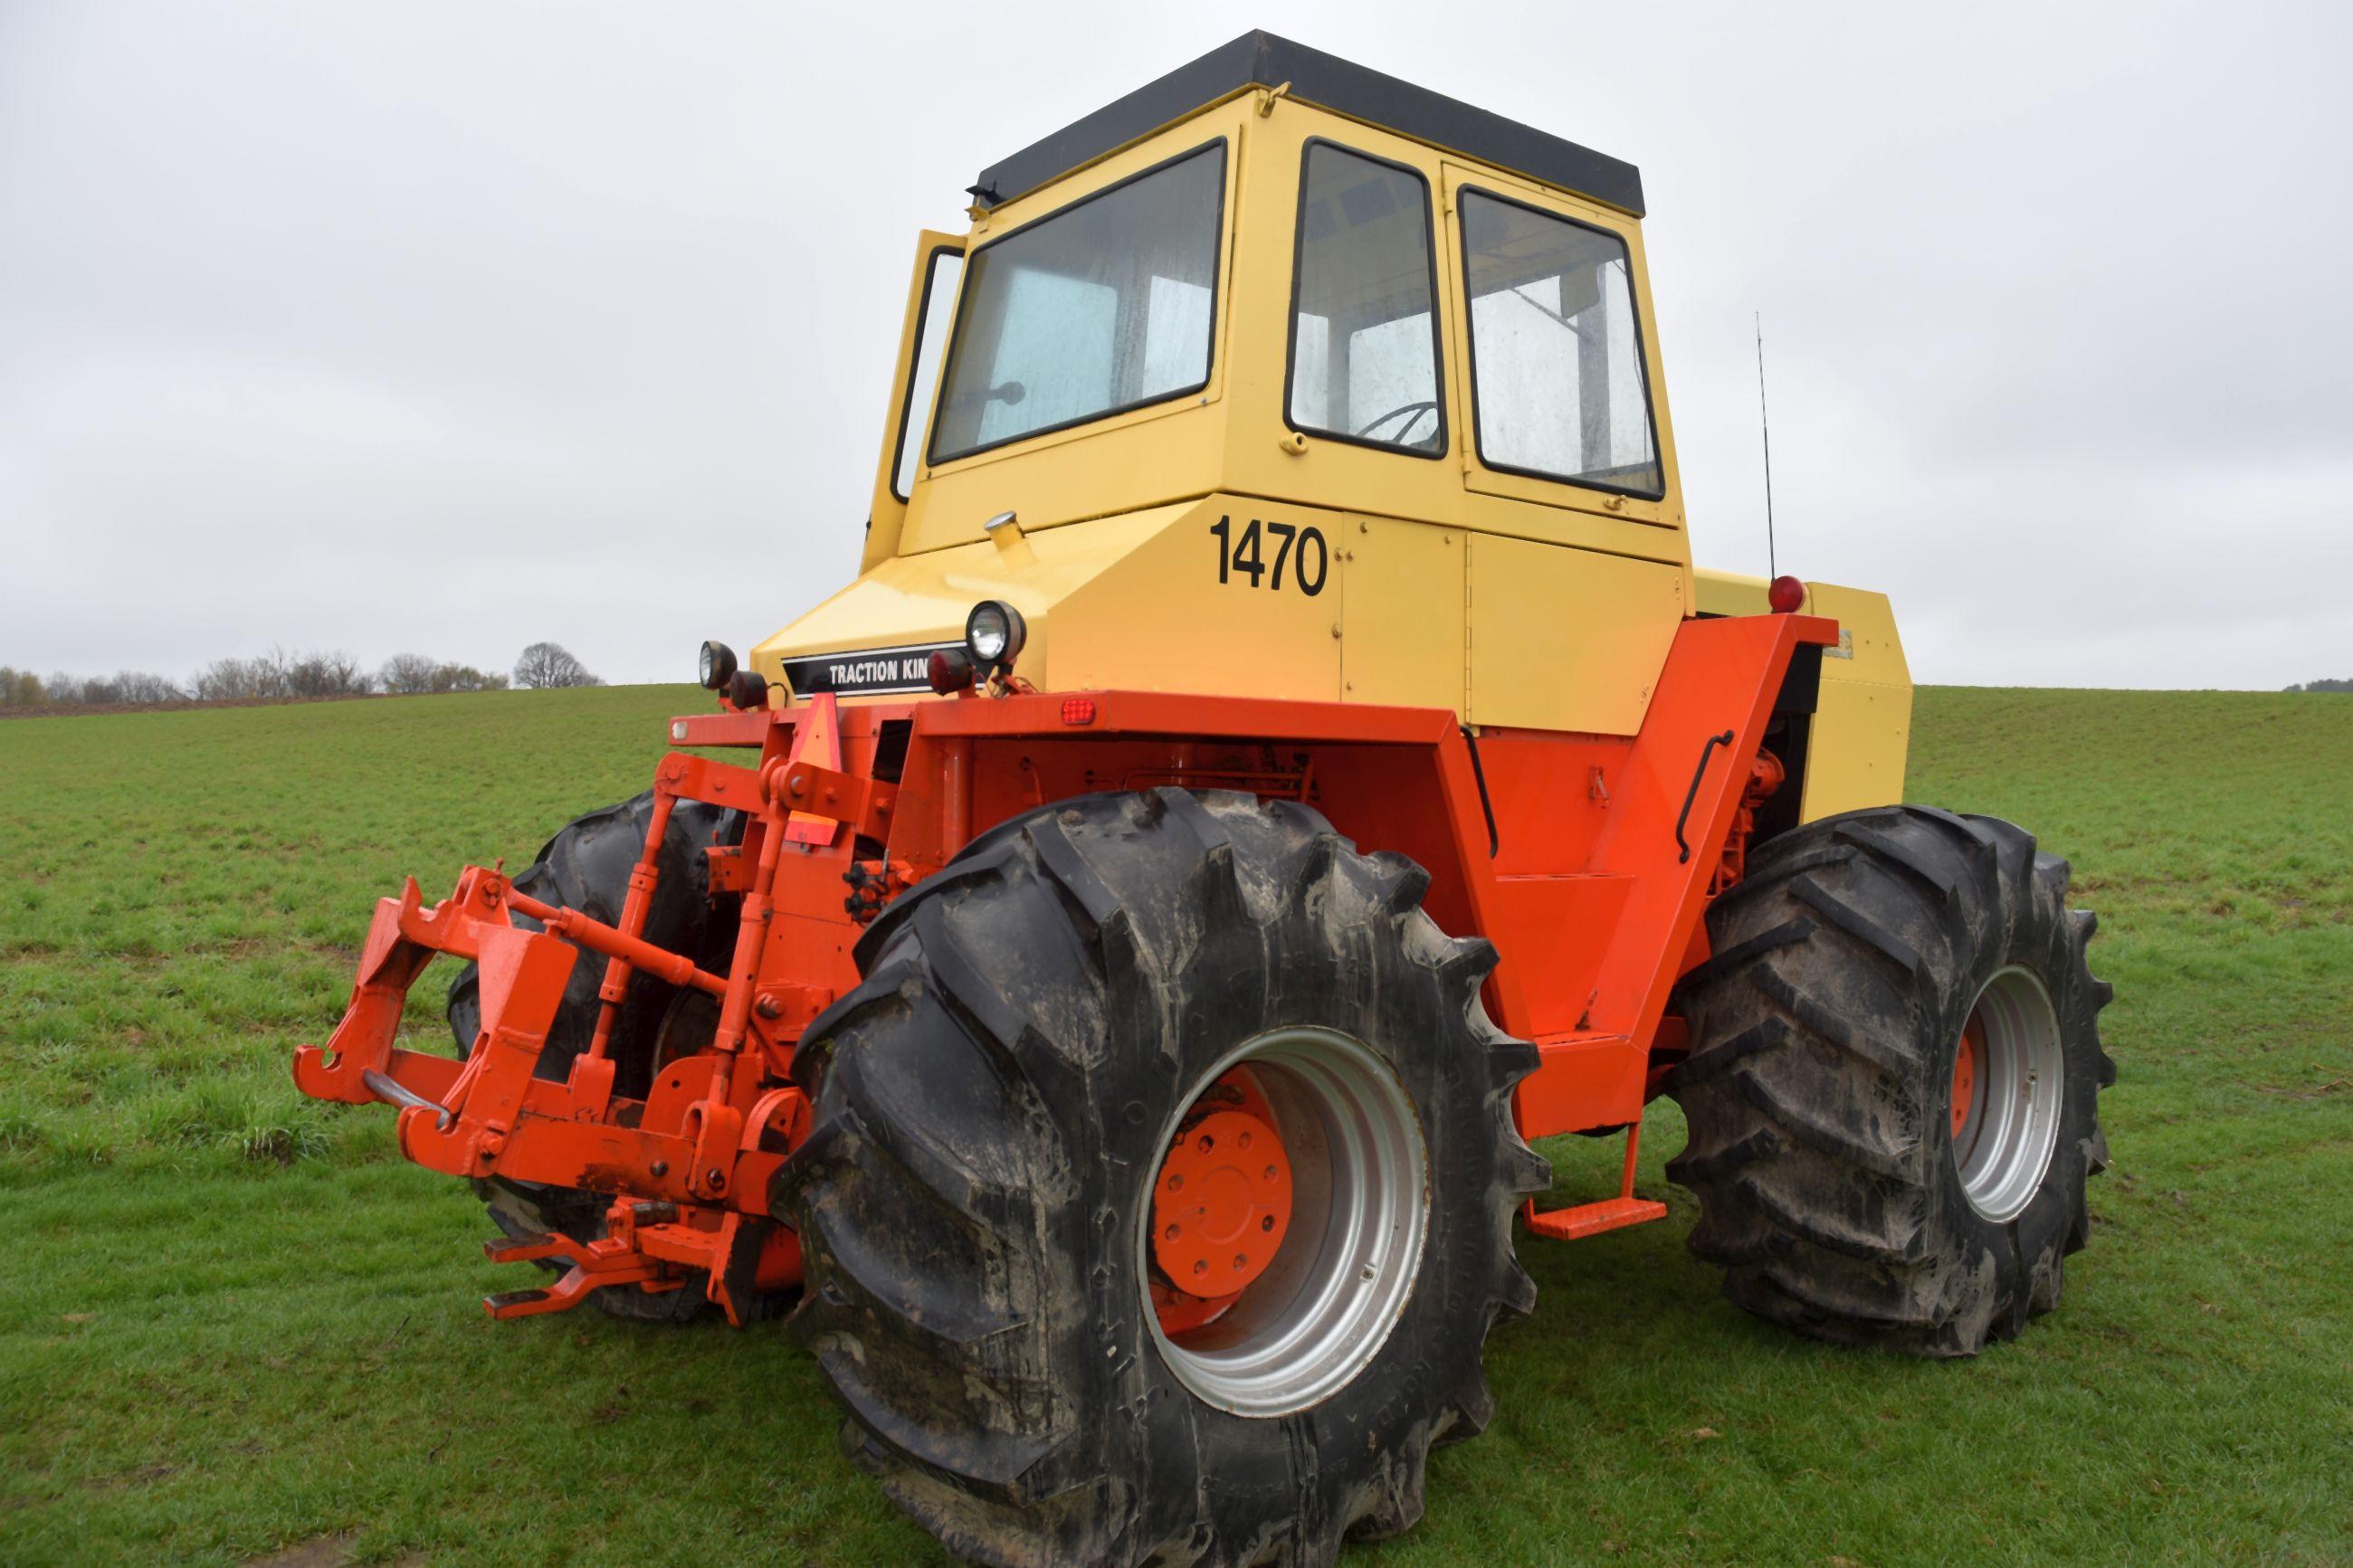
[[1786, 595]]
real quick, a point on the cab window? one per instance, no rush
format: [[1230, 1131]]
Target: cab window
[[1100, 307], [940, 276], [1557, 378], [1364, 329]]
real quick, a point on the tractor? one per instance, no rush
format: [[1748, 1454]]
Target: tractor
[[1277, 761]]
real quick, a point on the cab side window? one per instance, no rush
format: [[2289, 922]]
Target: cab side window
[[1557, 384], [1364, 324], [924, 376]]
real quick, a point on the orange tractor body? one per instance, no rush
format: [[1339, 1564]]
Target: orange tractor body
[[1592, 893]]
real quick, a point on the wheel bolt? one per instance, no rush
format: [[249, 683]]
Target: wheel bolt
[[1267, 1224], [1208, 1143], [1175, 1183], [1175, 1231], [1241, 1261], [1200, 1268], [1242, 1142]]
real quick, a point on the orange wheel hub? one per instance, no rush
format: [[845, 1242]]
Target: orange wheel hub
[[1964, 1072], [1220, 1206]]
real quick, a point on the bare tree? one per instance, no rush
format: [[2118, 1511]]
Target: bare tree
[[142, 686], [466, 678], [547, 664], [415, 675], [63, 689], [407, 675], [334, 674], [239, 680]]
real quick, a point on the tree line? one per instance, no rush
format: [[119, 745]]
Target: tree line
[[278, 675], [2323, 686]]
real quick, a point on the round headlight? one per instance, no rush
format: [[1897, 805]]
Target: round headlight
[[716, 667], [993, 634]]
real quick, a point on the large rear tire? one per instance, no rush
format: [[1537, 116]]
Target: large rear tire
[[993, 1108], [586, 867], [1893, 1083]]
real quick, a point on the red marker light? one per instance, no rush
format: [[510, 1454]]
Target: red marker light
[[948, 670], [1077, 709], [1786, 595]]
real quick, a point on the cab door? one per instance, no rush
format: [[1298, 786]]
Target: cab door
[[1560, 371], [914, 387], [1570, 609]]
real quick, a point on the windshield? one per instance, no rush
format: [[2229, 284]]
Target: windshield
[[1102, 307]]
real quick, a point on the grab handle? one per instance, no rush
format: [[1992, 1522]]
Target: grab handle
[[1692, 793]]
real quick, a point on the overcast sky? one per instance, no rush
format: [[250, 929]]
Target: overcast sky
[[417, 327]]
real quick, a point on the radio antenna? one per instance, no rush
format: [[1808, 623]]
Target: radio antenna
[[1772, 563]]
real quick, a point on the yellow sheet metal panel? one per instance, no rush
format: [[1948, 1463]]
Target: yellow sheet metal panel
[[1401, 616], [1855, 755], [1729, 593], [1862, 735], [1567, 639], [1192, 608], [912, 599]]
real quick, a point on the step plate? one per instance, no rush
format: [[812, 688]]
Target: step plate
[[1591, 1219]]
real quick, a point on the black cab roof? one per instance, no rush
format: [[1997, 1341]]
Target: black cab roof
[[1261, 59]]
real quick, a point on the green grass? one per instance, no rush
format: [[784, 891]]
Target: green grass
[[232, 1321]]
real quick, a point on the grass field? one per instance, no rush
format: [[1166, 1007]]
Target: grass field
[[234, 1324]]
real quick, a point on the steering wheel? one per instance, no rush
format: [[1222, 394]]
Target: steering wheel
[[1409, 412]]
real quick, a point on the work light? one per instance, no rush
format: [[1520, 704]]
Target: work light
[[716, 667], [993, 635]]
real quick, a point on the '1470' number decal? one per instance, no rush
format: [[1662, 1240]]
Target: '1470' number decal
[[1242, 556]]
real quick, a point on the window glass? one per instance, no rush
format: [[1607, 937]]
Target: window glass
[[1364, 336], [1555, 361], [931, 338], [1104, 306]]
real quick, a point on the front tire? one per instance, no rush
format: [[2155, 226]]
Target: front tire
[[586, 867], [1894, 1082], [993, 1108]]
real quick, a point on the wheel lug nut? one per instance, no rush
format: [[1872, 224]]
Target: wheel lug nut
[[1267, 1224], [1201, 1268], [1240, 1262]]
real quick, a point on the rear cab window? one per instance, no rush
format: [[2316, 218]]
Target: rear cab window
[[1558, 389]]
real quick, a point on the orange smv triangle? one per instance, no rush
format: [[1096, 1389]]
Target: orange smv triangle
[[815, 738]]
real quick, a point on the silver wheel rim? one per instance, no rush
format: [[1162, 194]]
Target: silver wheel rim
[[1360, 1200], [2004, 1146]]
